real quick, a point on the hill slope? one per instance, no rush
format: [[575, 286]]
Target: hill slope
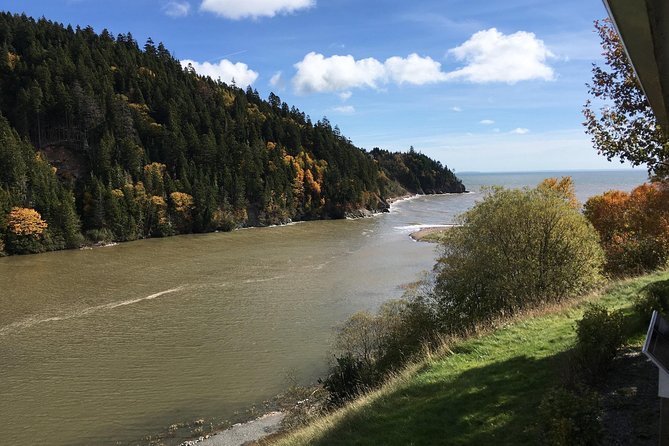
[[486, 390], [143, 148]]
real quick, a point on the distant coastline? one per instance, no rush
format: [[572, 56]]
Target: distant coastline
[[549, 171]]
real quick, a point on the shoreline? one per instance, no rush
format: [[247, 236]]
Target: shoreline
[[242, 433], [361, 213], [430, 234]]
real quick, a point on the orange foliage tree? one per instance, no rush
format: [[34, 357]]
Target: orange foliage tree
[[633, 227], [25, 221], [25, 231], [307, 180]]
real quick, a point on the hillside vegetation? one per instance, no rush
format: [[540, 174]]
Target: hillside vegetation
[[520, 358], [483, 390], [103, 138]]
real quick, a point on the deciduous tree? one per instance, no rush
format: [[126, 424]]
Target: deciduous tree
[[515, 249], [624, 126], [633, 227]]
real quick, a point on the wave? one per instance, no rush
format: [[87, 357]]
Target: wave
[[30, 322], [266, 279]]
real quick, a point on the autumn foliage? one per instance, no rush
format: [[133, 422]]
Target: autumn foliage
[[633, 227], [563, 187], [25, 221]]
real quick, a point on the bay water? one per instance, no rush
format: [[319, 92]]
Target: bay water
[[107, 345]]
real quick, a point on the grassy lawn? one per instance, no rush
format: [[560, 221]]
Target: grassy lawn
[[483, 391]]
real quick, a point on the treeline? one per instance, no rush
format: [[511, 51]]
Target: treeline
[[417, 173], [129, 145]]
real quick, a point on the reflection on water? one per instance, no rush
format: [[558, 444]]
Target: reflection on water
[[106, 345]]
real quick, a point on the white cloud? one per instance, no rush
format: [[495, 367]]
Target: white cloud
[[176, 9], [345, 109], [225, 70], [345, 95], [240, 9], [492, 56], [456, 109], [489, 56], [317, 73], [520, 131], [277, 80], [414, 70], [487, 122]]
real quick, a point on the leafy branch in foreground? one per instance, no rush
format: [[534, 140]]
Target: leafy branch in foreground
[[624, 127]]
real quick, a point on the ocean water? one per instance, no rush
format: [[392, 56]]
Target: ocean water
[[586, 183]]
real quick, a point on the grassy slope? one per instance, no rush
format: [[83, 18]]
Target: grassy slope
[[484, 391]]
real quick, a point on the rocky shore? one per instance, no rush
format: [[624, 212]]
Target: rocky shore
[[242, 433]]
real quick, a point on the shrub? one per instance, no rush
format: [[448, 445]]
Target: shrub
[[369, 346], [599, 336], [348, 378], [515, 249], [570, 418], [634, 227], [654, 296]]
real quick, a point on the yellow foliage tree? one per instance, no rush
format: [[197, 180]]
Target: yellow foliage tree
[[564, 186], [153, 178], [25, 221], [182, 205], [183, 202]]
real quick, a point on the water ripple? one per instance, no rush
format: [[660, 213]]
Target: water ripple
[[32, 321]]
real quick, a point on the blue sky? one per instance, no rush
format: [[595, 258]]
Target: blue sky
[[478, 85]]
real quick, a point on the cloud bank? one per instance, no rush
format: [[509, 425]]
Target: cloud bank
[[225, 71], [489, 56], [241, 9], [317, 73]]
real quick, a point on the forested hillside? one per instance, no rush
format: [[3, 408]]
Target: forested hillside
[[416, 172], [103, 140]]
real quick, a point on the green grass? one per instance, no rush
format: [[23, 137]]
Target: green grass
[[482, 391]]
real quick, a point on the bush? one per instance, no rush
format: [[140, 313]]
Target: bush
[[570, 418], [515, 249], [634, 227], [654, 296], [599, 336], [368, 347], [348, 378]]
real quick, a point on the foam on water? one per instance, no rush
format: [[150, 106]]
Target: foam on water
[[30, 322]]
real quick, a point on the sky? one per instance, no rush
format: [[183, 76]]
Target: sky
[[478, 85]]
